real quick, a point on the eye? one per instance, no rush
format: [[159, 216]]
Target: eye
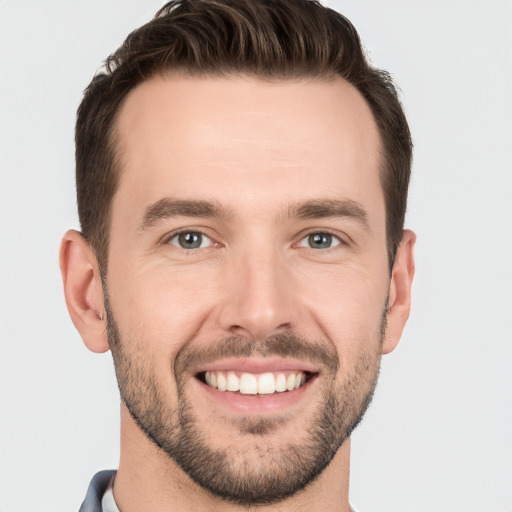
[[190, 240], [320, 241]]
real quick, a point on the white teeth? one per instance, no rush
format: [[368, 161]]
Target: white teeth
[[250, 384], [266, 384], [281, 383], [233, 382], [298, 380], [290, 382], [221, 382]]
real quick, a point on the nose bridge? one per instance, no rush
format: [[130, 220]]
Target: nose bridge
[[259, 296]]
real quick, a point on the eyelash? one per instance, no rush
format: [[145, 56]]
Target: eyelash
[[325, 232], [176, 234]]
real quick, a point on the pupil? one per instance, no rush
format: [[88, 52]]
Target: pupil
[[190, 240], [320, 241]]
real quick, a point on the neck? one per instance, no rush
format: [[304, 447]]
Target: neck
[[149, 480]]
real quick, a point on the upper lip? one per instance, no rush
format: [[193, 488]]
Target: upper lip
[[258, 365]]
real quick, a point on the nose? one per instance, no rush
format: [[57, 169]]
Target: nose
[[260, 296]]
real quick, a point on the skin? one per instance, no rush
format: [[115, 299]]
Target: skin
[[257, 149]]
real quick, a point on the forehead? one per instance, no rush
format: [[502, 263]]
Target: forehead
[[242, 139]]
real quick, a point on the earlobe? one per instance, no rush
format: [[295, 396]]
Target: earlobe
[[400, 291], [83, 290]]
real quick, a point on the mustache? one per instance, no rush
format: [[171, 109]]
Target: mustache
[[287, 344]]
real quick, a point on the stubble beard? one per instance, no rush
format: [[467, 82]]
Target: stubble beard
[[270, 476]]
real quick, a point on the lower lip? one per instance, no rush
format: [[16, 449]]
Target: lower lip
[[256, 404]]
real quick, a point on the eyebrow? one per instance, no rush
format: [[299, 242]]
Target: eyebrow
[[313, 209], [324, 208], [167, 208]]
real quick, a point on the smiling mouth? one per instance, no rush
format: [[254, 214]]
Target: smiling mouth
[[255, 383]]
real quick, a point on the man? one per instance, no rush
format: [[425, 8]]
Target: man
[[242, 179]]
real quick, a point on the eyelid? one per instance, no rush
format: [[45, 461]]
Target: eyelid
[[166, 239], [343, 240]]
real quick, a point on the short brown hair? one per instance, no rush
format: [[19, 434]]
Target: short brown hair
[[275, 39]]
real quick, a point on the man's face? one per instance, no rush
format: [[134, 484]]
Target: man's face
[[247, 250]]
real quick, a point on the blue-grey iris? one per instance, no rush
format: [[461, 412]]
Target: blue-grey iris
[[190, 240], [320, 240]]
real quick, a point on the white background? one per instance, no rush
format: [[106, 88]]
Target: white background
[[438, 436]]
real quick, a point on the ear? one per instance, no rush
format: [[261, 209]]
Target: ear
[[83, 290], [399, 299]]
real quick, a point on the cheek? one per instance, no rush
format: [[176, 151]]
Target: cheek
[[349, 310], [163, 306]]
